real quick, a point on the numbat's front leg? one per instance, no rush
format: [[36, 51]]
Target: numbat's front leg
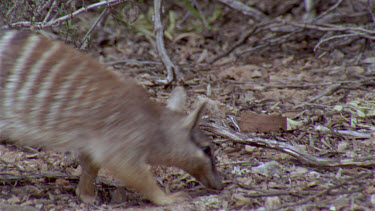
[[139, 178], [86, 185]]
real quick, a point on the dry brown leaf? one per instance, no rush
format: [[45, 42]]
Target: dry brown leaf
[[251, 122]]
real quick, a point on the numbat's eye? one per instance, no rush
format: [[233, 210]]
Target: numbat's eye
[[207, 150]]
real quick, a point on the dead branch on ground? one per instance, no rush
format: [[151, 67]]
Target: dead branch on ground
[[302, 156], [359, 181], [330, 90], [48, 23], [341, 33], [246, 10]]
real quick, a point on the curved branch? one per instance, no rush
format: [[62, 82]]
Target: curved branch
[[41, 25]]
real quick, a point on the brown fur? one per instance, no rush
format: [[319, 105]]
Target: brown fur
[[55, 96]]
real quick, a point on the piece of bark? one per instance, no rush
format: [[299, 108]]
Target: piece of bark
[[251, 122]]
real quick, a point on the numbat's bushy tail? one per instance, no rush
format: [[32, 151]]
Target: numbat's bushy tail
[[55, 96]]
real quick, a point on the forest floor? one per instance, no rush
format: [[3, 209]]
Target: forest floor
[[325, 92]]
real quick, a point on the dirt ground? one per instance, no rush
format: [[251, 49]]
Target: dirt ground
[[320, 77]]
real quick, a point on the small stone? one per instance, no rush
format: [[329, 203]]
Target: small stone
[[249, 148], [272, 202]]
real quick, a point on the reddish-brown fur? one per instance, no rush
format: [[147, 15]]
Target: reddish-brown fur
[[57, 97]]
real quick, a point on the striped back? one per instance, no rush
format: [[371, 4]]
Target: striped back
[[46, 84]]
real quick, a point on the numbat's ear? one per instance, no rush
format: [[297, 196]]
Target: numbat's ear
[[176, 101], [193, 118]]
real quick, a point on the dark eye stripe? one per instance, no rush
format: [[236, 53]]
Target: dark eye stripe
[[206, 150]]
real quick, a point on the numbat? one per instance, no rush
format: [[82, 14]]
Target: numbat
[[54, 96]]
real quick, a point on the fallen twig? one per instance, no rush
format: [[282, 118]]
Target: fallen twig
[[200, 12], [286, 31], [132, 61], [346, 132], [327, 92], [302, 156], [328, 11], [36, 175], [237, 44], [351, 181], [271, 41], [361, 82], [331, 27], [83, 42], [41, 25], [246, 10]]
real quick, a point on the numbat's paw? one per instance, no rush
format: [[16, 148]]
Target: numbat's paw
[[171, 198], [86, 197]]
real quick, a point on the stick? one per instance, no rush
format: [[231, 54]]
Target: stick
[[329, 91], [41, 25], [172, 70], [246, 10], [302, 156]]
